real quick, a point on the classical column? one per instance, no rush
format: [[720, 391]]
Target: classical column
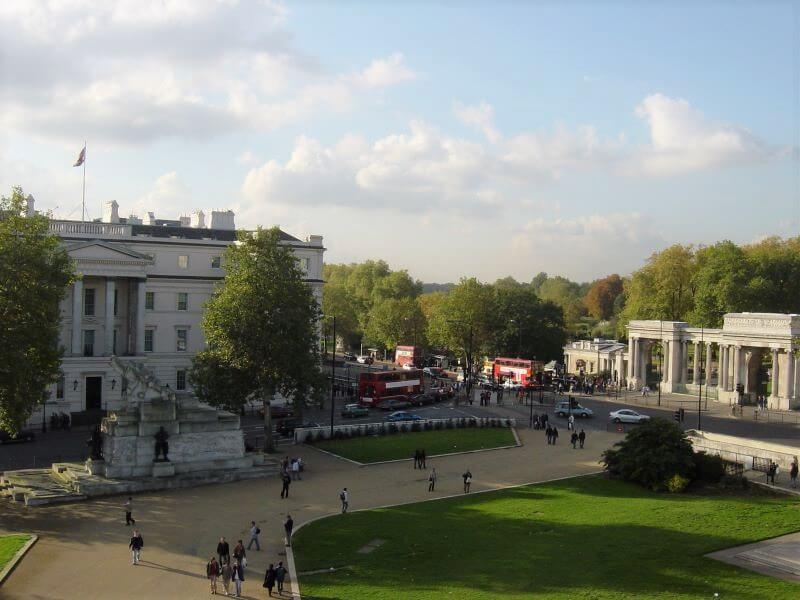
[[709, 352], [109, 327], [684, 361], [696, 364], [140, 289], [629, 371], [787, 387], [633, 357], [775, 377], [77, 315], [724, 367]]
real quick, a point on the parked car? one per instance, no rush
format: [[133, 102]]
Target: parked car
[[562, 409], [421, 399], [287, 426], [440, 393], [20, 436], [510, 384], [408, 367], [394, 403], [402, 416], [349, 356], [365, 360], [354, 410], [627, 415]]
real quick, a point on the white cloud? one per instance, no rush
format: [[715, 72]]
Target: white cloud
[[168, 190], [683, 139], [385, 72], [248, 158], [481, 117]]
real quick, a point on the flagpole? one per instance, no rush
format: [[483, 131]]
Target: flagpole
[[83, 194]]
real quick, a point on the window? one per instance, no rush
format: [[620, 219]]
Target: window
[[183, 301], [304, 262], [216, 262], [60, 387], [149, 300], [88, 342], [88, 302], [180, 380], [148, 340], [116, 298], [183, 261], [183, 336]]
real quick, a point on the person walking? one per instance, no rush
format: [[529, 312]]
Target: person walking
[[432, 480], [255, 531], [793, 470], [226, 578], [223, 551], [296, 469], [237, 575], [582, 437], [416, 458], [287, 530], [136, 544], [129, 520], [555, 435], [574, 439], [549, 434], [212, 572], [239, 554], [269, 579], [344, 497], [544, 420], [467, 476], [422, 459], [286, 481], [773, 470], [571, 422], [280, 575]]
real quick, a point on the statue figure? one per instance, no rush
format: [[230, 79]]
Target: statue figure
[[162, 446], [95, 443]]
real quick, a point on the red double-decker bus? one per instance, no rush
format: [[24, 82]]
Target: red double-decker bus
[[520, 370], [380, 385], [408, 355]]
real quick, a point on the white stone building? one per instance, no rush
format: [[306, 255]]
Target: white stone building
[[140, 294], [590, 357]]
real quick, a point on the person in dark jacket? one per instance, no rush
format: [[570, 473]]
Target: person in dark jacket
[[212, 572], [269, 579], [582, 437], [280, 575], [136, 544], [239, 554], [287, 530], [555, 435], [285, 489], [549, 434], [237, 575], [223, 551], [574, 439]]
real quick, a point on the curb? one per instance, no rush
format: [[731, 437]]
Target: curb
[[12, 564], [294, 584]]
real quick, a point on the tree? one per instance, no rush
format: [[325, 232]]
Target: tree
[[261, 328], [721, 283], [651, 454], [34, 275], [396, 321], [602, 295]]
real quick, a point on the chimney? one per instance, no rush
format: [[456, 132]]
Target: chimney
[[29, 201], [151, 218], [111, 212], [198, 219], [222, 219]]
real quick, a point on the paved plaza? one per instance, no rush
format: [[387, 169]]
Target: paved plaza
[[82, 551]]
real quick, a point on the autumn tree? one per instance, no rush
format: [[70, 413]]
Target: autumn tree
[[602, 295]]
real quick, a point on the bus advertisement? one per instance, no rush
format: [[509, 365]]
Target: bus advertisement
[[408, 355], [379, 385], [519, 370]]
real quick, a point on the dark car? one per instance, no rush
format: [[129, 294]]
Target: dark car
[[287, 426], [20, 436], [349, 356], [394, 403], [421, 399], [354, 410]]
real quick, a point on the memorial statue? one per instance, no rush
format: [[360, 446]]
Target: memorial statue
[[161, 443], [95, 443]]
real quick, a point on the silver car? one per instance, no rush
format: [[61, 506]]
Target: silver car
[[627, 415]]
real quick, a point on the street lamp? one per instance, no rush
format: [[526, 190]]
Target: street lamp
[[519, 335], [333, 369]]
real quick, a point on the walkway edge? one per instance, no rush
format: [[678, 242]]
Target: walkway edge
[[9, 568], [294, 584]]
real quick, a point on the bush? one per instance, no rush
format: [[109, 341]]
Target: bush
[[734, 482], [338, 434], [676, 484], [428, 426], [320, 435], [439, 425], [708, 468], [416, 426], [473, 423], [449, 424], [651, 454]]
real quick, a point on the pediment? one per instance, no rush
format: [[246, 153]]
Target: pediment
[[104, 251]]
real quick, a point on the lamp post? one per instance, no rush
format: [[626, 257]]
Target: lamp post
[[333, 371], [469, 357]]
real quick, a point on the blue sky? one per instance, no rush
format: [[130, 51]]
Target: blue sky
[[451, 139]]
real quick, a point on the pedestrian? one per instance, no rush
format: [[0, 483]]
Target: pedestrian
[[136, 544], [255, 531], [344, 497], [574, 439], [582, 437], [287, 530], [129, 520], [226, 578], [223, 551], [555, 435], [269, 579], [416, 458], [571, 422], [284, 465], [432, 480], [212, 572], [296, 469], [286, 481], [544, 420], [239, 555], [549, 434], [771, 472], [280, 575], [237, 575], [467, 476]]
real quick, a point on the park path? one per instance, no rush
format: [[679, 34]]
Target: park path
[[82, 551]]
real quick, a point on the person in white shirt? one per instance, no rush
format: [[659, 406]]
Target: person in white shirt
[[254, 531], [296, 469]]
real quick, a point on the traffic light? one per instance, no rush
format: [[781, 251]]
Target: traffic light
[[677, 416]]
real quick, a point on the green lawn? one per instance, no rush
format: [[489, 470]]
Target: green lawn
[[402, 445], [9, 544], [585, 537]]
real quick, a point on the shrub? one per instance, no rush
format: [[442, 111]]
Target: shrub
[[338, 434], [439, 425], [416, 426], [676, 484], [320, 435], [708, 468], [428, 426], [651, 454], [734, 482], [473, 423], [449, 424]]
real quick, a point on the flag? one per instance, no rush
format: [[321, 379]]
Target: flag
[[81, 158]]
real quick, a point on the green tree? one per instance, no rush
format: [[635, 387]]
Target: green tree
[[394, 322], [721, 283], [261, 322], [34, 275], [775, 281]]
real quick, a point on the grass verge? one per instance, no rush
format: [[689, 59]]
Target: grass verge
[[9, 545]]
